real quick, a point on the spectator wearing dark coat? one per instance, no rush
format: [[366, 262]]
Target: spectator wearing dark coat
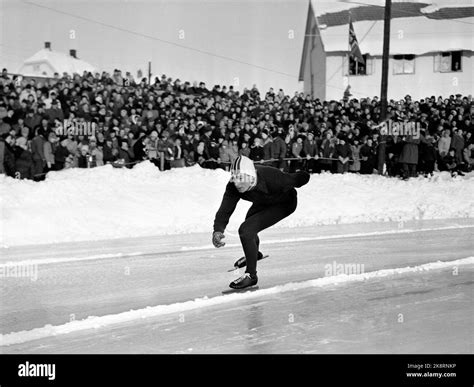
[[409, 156], [457, 143], [267, 145], [37, 149], [49, 148], [450, 162], [7, 155], [427, 155], [124, 154], [256, 150], [343, 154], [326, 152], [297, 152], [83, 157], [367, 154], [23, 160], [310, 149], [139, 148], [60, 155], [394, 149], [279, 149]]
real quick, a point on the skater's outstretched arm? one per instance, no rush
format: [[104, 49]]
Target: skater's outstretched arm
[[282, 181], [227, 207]]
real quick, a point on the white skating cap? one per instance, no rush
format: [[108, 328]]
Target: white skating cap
[[244, 166]]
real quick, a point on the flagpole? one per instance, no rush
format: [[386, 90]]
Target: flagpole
[[349, 51]]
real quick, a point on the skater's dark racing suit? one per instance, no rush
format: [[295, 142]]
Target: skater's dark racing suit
[[274, 198]]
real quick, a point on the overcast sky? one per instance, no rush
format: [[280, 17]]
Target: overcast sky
[[220, 42]]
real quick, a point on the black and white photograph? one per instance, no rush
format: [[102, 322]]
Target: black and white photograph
[[237, 177]]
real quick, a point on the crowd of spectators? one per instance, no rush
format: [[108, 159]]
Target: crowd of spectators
[[178, 124]]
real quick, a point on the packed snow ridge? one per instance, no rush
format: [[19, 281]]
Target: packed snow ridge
[[107, 202]]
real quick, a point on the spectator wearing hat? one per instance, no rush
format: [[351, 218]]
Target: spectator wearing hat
[[342, 152]]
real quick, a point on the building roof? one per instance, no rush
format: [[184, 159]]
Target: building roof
[[408, 35], [60, 62], [416, 27], [399, 10]]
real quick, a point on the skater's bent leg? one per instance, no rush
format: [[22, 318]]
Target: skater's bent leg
[[252, 211], [257, 222]]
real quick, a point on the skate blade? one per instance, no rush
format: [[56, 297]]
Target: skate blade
[[237, 268], [247, 289]]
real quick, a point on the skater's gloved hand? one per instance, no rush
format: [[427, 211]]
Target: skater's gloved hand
[[217, 236], [302, 178]]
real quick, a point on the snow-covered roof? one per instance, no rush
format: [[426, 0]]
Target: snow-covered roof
[[60, 62], [416, 27], [413, 35]]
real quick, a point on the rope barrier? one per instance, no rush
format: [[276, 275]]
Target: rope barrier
[[120, 165]]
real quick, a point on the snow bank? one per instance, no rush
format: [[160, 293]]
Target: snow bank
[[106, 202]]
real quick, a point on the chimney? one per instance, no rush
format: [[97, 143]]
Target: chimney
[[73, 53], [47, 45]]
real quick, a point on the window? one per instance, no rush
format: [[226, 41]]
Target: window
[[357, 68], [449, 61], [404, 64]]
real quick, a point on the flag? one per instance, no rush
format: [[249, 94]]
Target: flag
[[355, 50]]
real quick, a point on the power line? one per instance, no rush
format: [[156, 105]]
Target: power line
[[158, 39]]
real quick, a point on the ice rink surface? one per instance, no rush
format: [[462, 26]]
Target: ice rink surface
[[374, 310]]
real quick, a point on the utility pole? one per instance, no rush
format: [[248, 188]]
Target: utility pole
[[385, 60], [149, 73]]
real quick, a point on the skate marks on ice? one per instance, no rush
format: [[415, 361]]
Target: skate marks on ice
[[94, 322], [160, 251]]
